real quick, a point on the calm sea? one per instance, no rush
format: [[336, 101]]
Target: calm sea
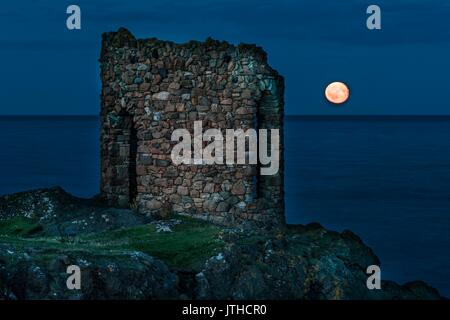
[[386, 179]]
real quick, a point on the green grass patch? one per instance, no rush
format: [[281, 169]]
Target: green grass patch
[[19, 227], [188, 246]]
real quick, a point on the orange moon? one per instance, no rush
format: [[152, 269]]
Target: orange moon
[[337, 92]]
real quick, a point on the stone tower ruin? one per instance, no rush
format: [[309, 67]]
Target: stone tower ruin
[[152, 87]]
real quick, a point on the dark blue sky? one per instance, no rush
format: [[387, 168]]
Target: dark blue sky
[[403, 69]]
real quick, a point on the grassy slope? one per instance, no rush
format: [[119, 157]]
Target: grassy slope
[[188, 246]]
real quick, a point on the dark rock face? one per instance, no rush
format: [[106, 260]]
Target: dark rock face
[[300, 263], [26, 274], [61, 214], [151, 88], [296, 262]]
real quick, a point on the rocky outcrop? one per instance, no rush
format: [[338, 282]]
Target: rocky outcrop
[[302, 262], [61, 214], [34, 274], [177, 258]]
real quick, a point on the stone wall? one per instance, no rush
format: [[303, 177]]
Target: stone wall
[[152, 87]]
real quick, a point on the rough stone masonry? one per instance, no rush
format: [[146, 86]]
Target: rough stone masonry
[[152, 87]]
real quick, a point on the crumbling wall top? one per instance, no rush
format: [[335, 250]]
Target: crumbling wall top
[[123, 38]]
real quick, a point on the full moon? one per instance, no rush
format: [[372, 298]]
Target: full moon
[[337, 92]]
